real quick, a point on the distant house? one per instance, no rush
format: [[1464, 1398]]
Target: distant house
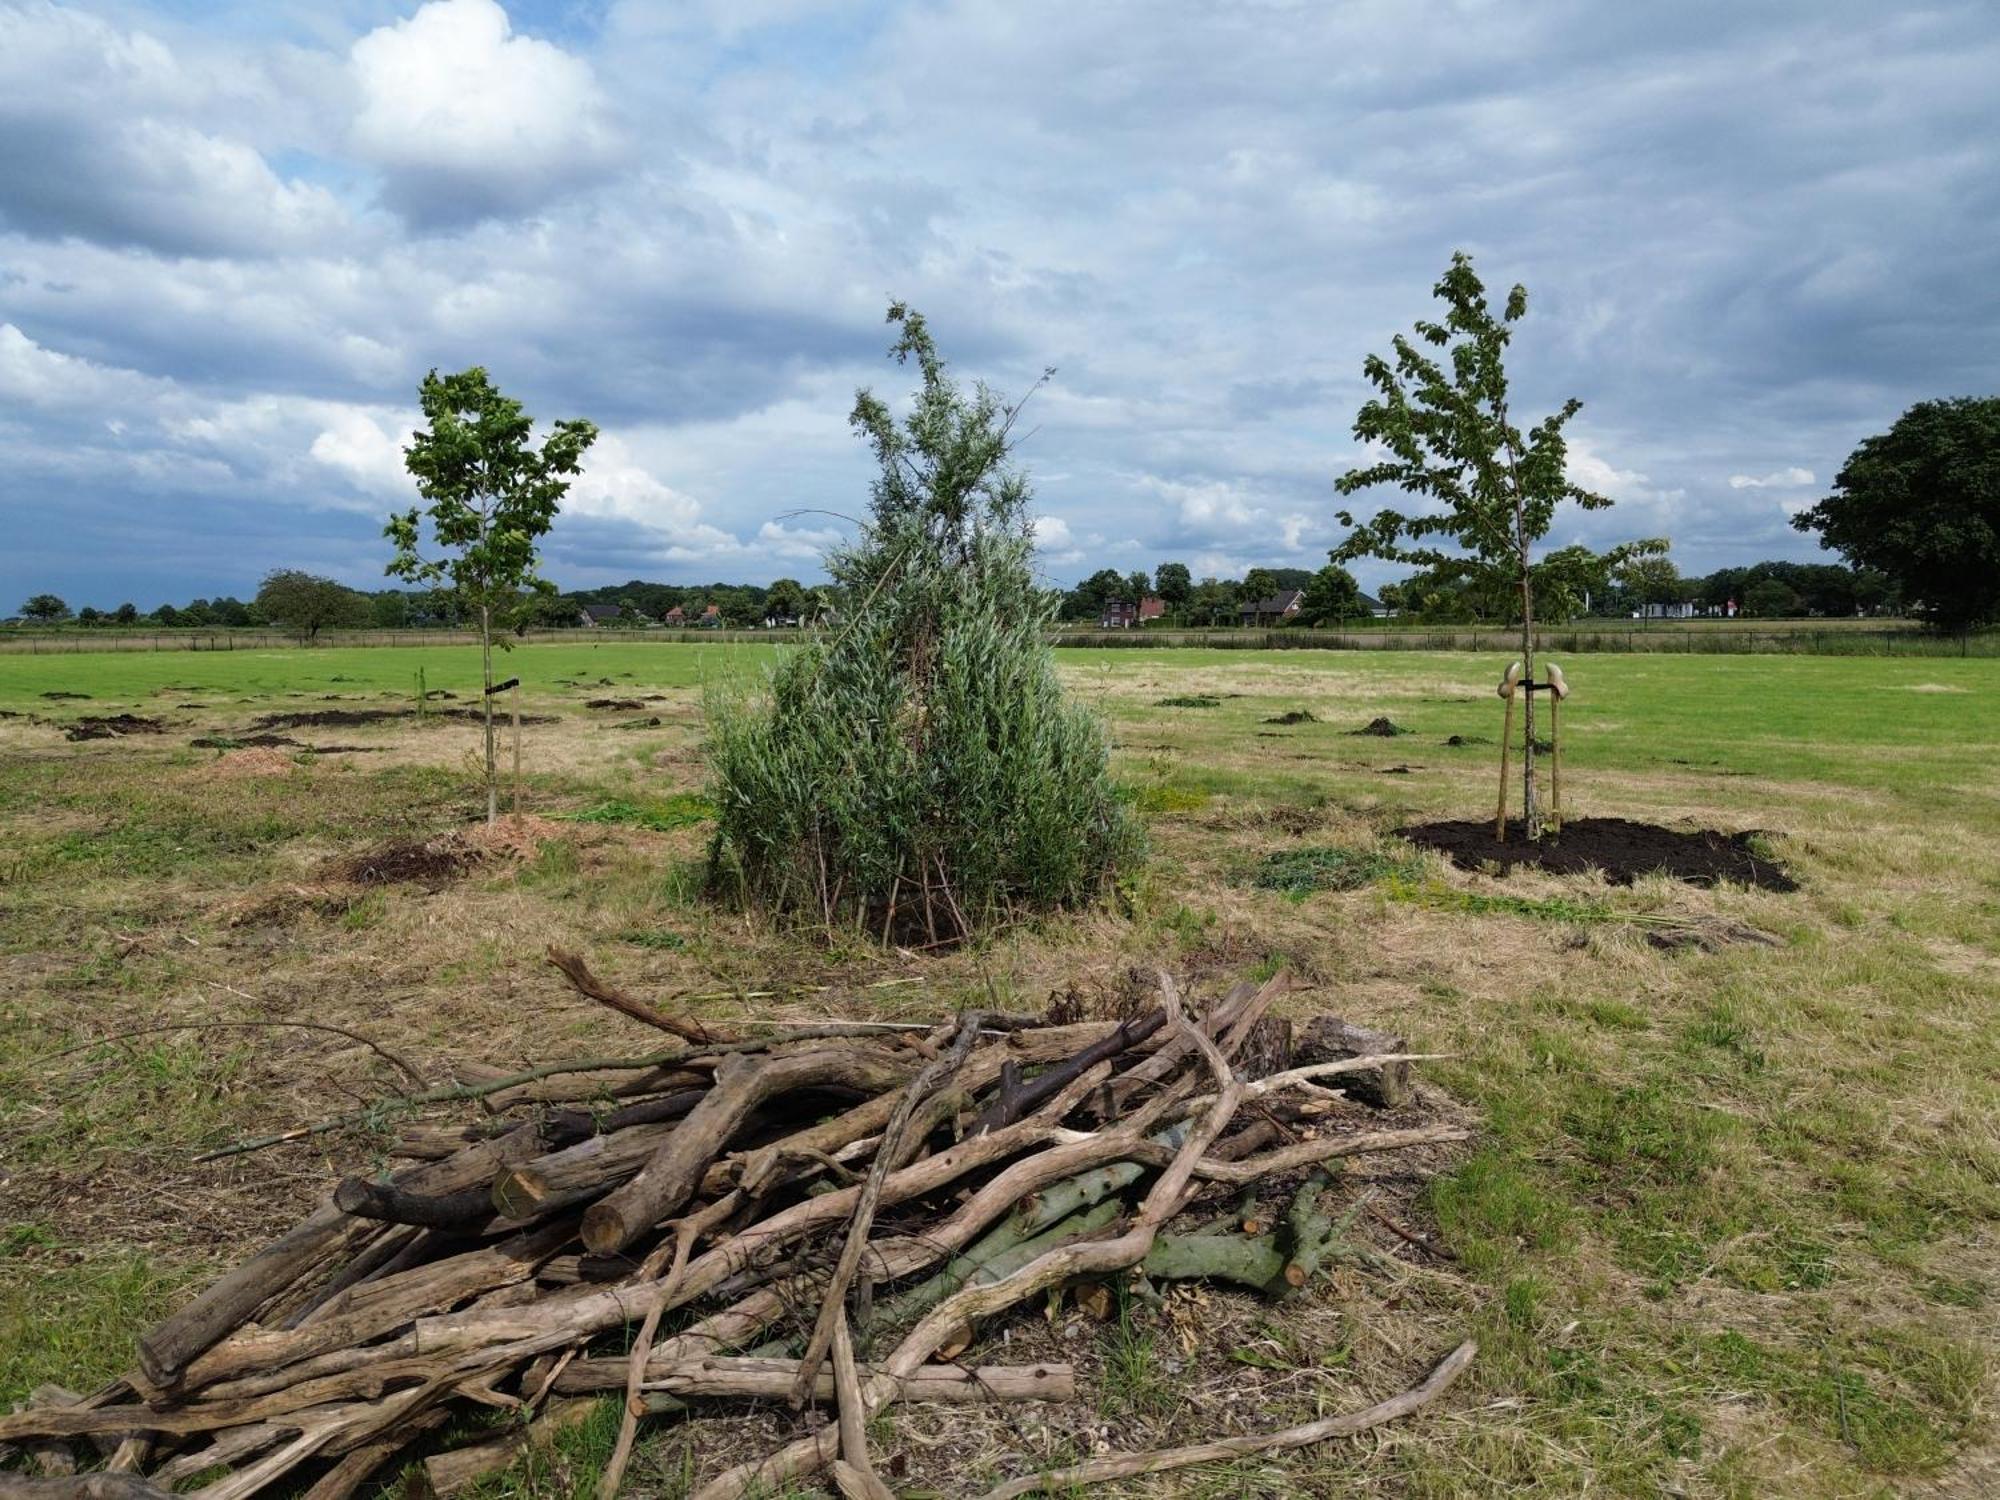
[[711, 618], [1685, 610], [1123, 614], [1279, 607], [1375, 608], [597, 615], [675, 617]]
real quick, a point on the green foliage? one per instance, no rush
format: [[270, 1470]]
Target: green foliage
[[492, 494], [308, 604], [1332, 595], [47, 608], [921, 774], [1174, 584], [1921, 503]]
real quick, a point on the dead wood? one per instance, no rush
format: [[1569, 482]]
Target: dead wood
[[1223, 1450], [741, 1084], [587, 984]]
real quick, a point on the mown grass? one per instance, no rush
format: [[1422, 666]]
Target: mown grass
[[1728, 1225]]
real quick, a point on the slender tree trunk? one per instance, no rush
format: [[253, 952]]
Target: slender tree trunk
[[486, 701]]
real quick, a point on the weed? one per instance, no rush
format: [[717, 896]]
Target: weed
[[662, 815], [1300, 872]]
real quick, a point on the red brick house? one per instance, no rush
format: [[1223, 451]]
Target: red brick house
[[1123, 614]]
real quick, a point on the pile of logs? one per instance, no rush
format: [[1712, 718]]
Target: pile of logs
[[826, 1214]]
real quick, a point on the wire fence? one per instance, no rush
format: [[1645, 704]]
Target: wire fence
[[1778, 638]]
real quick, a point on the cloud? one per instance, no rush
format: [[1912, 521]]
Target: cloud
[[1782, 479], [233, 239], [108, 135], [467, 120]]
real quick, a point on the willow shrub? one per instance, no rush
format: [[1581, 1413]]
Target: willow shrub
[[916, 771]]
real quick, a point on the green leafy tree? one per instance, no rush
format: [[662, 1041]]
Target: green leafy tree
[[1138, 585], [126, 613], [1921, 504], [1772, 599], [1443, 422], [1652, 580], [1213, 600], [167, 615], [1259, 583], [1174, 584], [492, 496], [389, 609], [785, 600], [45, 608], [919, 773], [306, 604], [1331, 596], [90, 614]]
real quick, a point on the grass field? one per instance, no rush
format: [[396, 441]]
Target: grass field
[[1727, 1228]]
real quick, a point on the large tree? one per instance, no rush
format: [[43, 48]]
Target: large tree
[[47, 608], [492, 495], [1174, 584], [1332, 596], [1921, 503], [1443, 423], [306, 604], [920, 774]]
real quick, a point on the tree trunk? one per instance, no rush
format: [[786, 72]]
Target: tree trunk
[[486, 703]]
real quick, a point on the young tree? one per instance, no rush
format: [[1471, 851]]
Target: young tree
[[919, 774], [1332, 595], [492, 495], [1921, 503], [307, 604], [46, 608], [1448, 436]]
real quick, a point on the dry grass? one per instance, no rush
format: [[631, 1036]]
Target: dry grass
[[1728, 1228]]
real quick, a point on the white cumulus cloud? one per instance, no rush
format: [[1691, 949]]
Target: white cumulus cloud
[[468, 120]]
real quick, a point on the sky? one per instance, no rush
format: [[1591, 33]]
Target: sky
[[235, 234]]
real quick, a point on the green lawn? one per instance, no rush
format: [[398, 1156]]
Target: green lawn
[[1731, 1226]]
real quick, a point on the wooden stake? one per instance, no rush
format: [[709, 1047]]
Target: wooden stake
[[515, 699], [1555, 761], [1506, 734]]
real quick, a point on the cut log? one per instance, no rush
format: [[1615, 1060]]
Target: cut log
[[1330, 1039], [742, 1083], [575, 1173]]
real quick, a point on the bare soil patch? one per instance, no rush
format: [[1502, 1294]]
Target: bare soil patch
[[1619, 848], [431, 862], [1295, 716], [1382, 728], [627, 704], [112, 727]]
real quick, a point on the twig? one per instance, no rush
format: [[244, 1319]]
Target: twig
[[587, 984], [1124, 1465]]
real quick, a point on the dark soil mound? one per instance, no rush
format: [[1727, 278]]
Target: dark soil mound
[[1188, 700], [1618, 847], [1458, 740], [58, 695], [1295, 716], [1386, 729], [422, 862], [115, 727], [247, 742], [627, 704]]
